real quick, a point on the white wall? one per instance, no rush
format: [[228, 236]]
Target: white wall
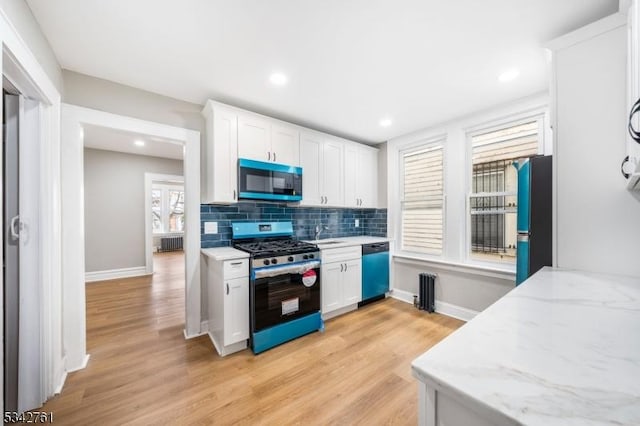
[[598, 220], [461, 281], [19, 13], [114, 207], [104, 95]]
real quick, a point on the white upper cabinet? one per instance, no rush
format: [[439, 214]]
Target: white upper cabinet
[[311, 145], [322, 161], [267, 140], [221, 155], [335, 172], [367, 177], [361, 176], [285, 144], [254, 138]]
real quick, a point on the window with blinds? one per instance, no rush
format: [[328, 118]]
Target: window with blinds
[[494, 189], [422, 200]]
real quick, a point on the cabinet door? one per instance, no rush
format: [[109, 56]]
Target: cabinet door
[[225, 156], [333, 173], [367, 177], [351, 196], [352, 282], [331, 286], [254, 138], [311, 163], [285, 145], [236, 310]]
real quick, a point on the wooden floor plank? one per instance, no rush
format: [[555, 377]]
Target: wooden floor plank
[[143, 371]]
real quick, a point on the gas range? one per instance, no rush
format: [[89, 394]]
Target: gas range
[[284, 290], [278, 252]]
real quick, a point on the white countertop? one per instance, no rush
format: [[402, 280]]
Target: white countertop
[[347, 241], [563, 348], [224, 253]]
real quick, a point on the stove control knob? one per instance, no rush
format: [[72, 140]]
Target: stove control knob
[[305, 256], [311, 256], [266, 261], [290, 259], [274, 261]]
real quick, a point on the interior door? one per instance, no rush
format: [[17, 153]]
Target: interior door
[[11, 250], [24, 380]]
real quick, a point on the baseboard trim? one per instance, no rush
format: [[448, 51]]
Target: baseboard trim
[[63, 379], [443, 308], [204, 329], [82, 366], [402, 295], [113, 274], [455, 311]]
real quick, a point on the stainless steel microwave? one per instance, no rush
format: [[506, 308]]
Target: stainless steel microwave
[[258, 180]]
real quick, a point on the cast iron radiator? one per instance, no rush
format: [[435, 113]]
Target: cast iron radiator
[[170, 243], [426, 292]]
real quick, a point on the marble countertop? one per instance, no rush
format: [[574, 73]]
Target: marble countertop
[[347, 241], [563, 348], [224, 253]]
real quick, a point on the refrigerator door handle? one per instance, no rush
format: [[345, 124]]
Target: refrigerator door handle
[[523, 237]]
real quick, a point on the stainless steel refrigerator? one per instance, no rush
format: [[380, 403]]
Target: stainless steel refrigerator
[[534, 246]]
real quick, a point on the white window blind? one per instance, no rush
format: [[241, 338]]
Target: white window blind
[[514, 142], [422, 203]]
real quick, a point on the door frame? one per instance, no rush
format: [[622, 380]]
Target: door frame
[[22, 68], [72, 119], [149, 179]]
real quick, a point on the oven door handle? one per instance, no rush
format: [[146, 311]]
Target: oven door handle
[[296, 268]]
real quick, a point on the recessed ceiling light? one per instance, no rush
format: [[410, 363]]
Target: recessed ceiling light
[[386, 122], [509, 75], [139, 143], [278, 79]]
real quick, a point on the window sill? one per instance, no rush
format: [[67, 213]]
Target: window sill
[[474, 269]]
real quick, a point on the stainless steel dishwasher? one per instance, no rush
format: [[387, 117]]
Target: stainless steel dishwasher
[[375, 271]]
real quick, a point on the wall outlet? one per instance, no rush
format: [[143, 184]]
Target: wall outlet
[[211, 227], [357, 223]]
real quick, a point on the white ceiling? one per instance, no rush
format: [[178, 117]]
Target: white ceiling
[[108, 139], [350, 63]]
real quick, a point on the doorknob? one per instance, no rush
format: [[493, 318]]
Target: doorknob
[[15, 228]]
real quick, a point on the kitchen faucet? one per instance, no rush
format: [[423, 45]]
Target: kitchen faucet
[[319, 229]]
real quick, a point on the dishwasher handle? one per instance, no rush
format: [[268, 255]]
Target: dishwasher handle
[[375, 248]]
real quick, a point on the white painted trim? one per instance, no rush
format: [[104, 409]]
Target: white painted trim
[[339, 311], [443, 308], [481, 270], [402, 295], [82, 365], [204, 326], [113, 274], [29, 77], [73, 118], [455, 311], [594, 29], [149, 178]]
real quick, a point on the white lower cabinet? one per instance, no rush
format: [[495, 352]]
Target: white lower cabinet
[[228, 297], [341, 275]]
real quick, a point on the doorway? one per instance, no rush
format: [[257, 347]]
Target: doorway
[[74, 123]]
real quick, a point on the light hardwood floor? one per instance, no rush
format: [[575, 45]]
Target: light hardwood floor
[[143, 371]]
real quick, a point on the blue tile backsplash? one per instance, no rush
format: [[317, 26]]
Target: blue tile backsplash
[[341, 222]]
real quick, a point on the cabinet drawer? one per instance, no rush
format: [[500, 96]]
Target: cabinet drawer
[[236, 268], [341, 254]]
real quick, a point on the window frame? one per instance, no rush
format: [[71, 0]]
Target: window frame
[[422, 145], [539, 116], [165, 210]]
